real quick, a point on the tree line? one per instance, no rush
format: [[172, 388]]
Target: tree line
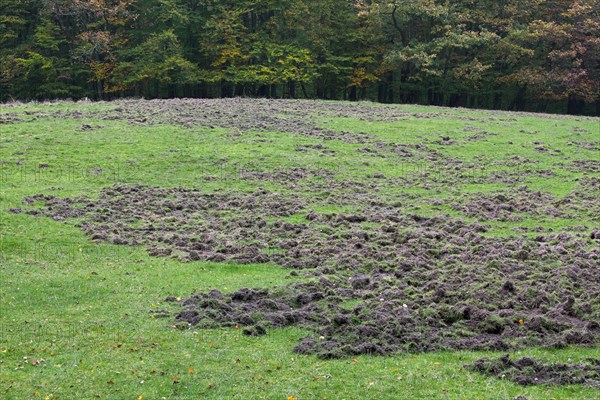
[[526, 55]]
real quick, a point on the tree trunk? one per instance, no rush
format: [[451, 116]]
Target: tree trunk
[[352, 94], [304, 90], [239, 90], [574, 105], [99, 86]]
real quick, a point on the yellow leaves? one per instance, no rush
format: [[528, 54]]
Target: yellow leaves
[[139, 397], [471, 73], [102, 70], [550, 29], [364, 60], [437, 363], [292, 398], [521, 322], [227, 55], [360, 76]]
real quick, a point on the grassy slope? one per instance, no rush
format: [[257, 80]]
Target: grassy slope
[[84, 308]]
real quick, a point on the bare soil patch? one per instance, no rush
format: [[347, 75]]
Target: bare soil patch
[[529, 371], [377, 281]]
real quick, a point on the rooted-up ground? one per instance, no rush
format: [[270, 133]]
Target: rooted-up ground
[[417, 283], [402, 229]]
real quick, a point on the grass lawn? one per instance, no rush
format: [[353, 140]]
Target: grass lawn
[[76, 316]]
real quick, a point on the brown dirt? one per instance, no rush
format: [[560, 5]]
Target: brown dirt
[[411, 283], [529, 371]]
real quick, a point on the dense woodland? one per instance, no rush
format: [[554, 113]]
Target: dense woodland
[[533, 55]]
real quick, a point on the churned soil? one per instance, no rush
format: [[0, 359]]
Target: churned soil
[[376, 278], [529, 371], [375, 281], [515, 204]]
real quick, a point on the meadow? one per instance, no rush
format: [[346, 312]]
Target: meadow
[[282, 249]]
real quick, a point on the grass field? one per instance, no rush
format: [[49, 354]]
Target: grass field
[[78, 316]]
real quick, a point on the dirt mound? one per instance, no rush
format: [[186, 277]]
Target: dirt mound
[[511, 205], [8, 119], [236, 114], [586, 166], [377, 281], [529, 371]]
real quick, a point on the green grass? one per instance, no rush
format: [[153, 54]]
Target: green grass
[[85, 309]]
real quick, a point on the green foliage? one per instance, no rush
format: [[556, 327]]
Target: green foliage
[[513, 54], [47, 72], [47, 37], [160, 59], [13, 22]]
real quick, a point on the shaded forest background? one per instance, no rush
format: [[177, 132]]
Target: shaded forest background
[[527, 55]]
